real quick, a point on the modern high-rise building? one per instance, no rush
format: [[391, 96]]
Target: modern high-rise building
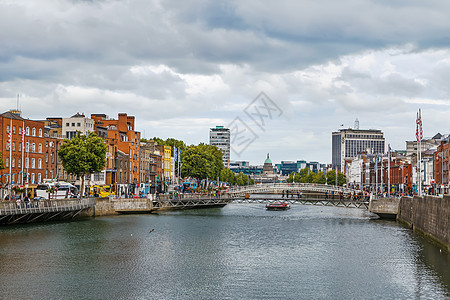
[[220, 137], [348, 143]]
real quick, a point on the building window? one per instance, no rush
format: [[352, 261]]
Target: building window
[[40, 163], [19, 165], [28, 131], [14, 129], [67, 124], [40, 132], [20, 146], [33, 147], [14, 146], [32, 177], [33, 163], [40, 148], [33, 131], [73, 124], [7, 128], [78, 124], [46, 157], [20, 130], [27, 163], [13, 162], [7, 162], [39, 177], [28, 147]]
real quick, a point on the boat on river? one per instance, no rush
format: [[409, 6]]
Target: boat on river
[[278, 206]]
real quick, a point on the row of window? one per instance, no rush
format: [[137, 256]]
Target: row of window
[[364, 136], [27, 130], [27, 163], [78, 124], [28, 148], [31, 178]]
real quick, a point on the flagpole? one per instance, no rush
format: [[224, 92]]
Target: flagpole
[[419, 192], [10, 156], [389, 171], [23, 147], [381, 175]]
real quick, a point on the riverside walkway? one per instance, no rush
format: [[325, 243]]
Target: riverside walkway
[[12, 212]]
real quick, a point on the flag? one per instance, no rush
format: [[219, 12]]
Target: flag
[[175, 153], [419, 131], [179, 154], [10, 137]]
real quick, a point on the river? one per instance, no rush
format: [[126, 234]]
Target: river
[[240, 251]]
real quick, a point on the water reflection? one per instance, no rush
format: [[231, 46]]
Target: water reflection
[[239, 251]]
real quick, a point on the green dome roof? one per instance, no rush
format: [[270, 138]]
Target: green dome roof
[[267, 161]]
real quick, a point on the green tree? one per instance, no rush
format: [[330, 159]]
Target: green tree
[[83, 155], [202, 161], [331, 178], [228, 176]]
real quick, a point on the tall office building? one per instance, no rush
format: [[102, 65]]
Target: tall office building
[[220, 137], [348, 143]]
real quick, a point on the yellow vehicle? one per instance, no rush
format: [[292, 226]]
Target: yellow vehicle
[[101, 191]]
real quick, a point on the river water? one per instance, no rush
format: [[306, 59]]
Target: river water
[[240, 251]]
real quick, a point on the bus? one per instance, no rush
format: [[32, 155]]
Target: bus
[[62, 190]]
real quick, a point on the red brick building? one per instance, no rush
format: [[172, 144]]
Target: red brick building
[[120, 135], [30, 157], [441, 164]]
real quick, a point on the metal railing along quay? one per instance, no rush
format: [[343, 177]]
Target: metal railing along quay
[[20, 211]]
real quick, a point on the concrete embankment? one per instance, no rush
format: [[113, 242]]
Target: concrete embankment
[[385, 208], [428, 215], [103, 207]]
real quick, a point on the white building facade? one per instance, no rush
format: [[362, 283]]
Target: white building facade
[[77, 122], [220, 137]]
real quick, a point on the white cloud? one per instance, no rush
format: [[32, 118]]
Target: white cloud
[[183, 67]]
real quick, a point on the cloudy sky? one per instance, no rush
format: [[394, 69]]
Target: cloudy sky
[[182, 67]]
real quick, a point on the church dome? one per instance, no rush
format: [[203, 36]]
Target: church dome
[[267, 161]]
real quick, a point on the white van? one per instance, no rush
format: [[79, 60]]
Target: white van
[[63, 190]]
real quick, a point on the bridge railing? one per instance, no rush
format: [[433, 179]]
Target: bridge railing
[[288, 186], [42, 206]]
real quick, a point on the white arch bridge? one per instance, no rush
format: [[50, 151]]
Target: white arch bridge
[[302, 193]]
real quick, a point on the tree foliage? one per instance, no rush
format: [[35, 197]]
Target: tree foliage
[[168, 142], [202, 161], [235, 179], [83, 155], [307, 176]]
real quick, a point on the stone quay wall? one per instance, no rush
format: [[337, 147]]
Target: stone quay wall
[[428, 215], [385, 207], [103, 207]]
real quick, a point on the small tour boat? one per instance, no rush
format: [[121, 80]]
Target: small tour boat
[[278, 206]]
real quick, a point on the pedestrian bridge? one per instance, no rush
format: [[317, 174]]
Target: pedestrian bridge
[[300, 193], [12, 212], [279, 188]]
